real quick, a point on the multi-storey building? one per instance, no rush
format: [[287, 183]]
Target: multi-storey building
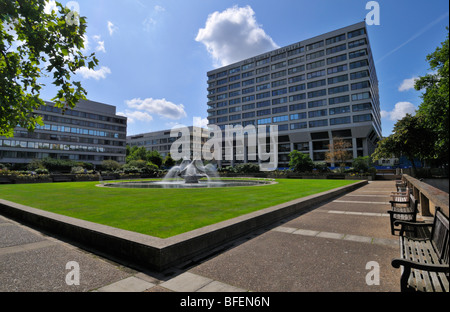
[[91, 132], [315, 90], [162, 141]]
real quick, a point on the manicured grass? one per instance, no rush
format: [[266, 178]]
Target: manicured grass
[[159, 212]]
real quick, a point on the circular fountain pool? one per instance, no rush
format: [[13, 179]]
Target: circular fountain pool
[[183, 184]]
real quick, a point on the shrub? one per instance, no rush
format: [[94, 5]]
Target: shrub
[[110, 165], [300, 162], [247, 168]]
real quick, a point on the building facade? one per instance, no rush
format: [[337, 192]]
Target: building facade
[[161, 141], [315, 90], [91, 132]]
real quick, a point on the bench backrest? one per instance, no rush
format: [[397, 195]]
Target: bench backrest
[[440, 235], [413, 202]]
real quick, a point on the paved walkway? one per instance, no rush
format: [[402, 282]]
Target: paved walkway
[[343, 245]]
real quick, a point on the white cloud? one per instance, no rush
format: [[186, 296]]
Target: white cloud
[[100, 44], [50, 6], [112, 28], [407, 84], [400, 110], [161, 107], [159, 8], [133, 116], [200, 122], [233, 35], [88, 73], [152, 19]]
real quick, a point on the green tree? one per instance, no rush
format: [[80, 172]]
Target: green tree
[[300, 162], [435, 106], [410, 138], [154, 157], [169, 161], [362, 163], [35, 45]]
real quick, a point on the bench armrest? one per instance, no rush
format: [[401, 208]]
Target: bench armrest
[[401, 212], [396, 263], [411, 223]]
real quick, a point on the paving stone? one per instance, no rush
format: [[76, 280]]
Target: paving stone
[[216, 286], [186, 282], [130, 284]]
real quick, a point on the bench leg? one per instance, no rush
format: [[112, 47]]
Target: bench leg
[[404, 279]]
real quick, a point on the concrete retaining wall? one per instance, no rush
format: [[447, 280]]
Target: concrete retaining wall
[[156, 253]]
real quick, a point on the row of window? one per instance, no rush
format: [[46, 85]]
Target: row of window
[[59, 147], [290, 71], [82, 131], [294, 52], [80, 114], [291, 108], [312, 123], [40, 155], [82, 123]]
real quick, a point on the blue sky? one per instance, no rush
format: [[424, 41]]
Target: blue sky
[[154, 54]]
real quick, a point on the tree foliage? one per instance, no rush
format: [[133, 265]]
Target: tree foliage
[[141, 153], [410, 138], [338, 152], [300, 162], [35, 45], [435, 106]]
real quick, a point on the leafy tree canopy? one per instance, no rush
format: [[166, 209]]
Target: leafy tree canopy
[[36, 45]]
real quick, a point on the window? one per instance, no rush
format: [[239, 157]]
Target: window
[[296, 88], [297, 69], [295, 107], [262, 95], [262, 78], [335, 39], [318, 123], [299, 125], [283, 128], [338, 89], [357, 43], [317, 83], [278, 110], [358, 53], [279, 92], [248, 98], [296, 79], [317, 103], [362, 118], [281, 118], [263, 112], [360, 74], [234, 70], [263, 61], [235, 117], [297, 97], [317, 113], [339, 110], [248, 106], [263, 87], [233, 78], [235, 85], [296, 60], [235, 101], [360, 85], [278, 56], [222, 111], [278, 65], [262, 104], [248, 82], [234, 93], [317, 93], [296, 51], [361, 96], [338, 79], [234, 109], [278, 74], [298, 116], [340, 120], [336, 49], [279, 101], [222, 119], [315, 45], [339, 99], [264, 121], [247, 74], [278, 83], [315, 74], [336, 59], [262, 70], [247, 66], [356, 33], [361, 107], [315, 65], [337, 69], [359, 64], [315, 55], [248, 90]]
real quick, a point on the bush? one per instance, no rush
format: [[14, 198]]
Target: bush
[[300, 162], [321, 167], [58, 165], [247, 168], [362, 164], [110, 165]]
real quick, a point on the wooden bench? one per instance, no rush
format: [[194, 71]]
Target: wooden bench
[[403, 208], [424, 261], [400, 186]]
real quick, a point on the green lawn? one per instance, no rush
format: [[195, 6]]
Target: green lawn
[[159, 212]]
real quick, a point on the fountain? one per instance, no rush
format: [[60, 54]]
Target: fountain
[[189, 174]]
